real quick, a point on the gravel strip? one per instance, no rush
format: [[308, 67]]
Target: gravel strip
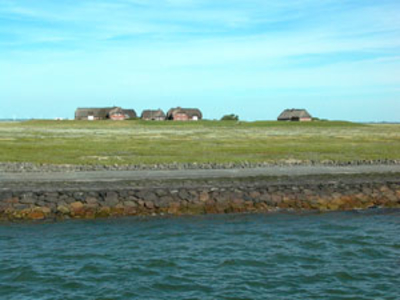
[[8, 167]]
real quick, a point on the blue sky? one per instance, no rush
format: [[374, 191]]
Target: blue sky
[[339, 59]]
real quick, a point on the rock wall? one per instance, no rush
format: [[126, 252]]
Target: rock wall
[[175, 199]]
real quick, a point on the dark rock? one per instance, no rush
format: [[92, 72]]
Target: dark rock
[[111, 199], [165, 201], [132, 198], [27, 200], [222, 198], [255, 195], [141, 194], [124, 194], [79, 196], [91, 200], [4, 196], [161, 192], [149, 204], [149, 196], [42, 203], [68, 200], [20, 206], [130, 204], [184, 195], [51, 197]]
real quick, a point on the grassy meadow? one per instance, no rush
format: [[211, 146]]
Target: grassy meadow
[[139, 142]]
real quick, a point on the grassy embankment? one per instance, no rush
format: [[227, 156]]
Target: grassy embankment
[[138, 142]]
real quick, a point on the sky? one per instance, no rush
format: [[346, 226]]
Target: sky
[[338, 59]]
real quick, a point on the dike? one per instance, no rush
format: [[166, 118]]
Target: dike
[[79, 200]]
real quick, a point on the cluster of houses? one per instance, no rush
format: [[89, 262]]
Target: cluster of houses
[[174, 114], [118, 113]]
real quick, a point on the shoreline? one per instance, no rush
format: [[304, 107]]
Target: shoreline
[[26, 198]]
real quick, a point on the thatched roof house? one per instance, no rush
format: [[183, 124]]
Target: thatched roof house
[[92, 113], [153, 115], [129, 113], [113, 113], [184, 114], [295, 115]]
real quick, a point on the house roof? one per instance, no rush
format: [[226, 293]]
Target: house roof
[[103, 112], [191, 112], [130, 113], [149, 114], [96, 112], [115, 110], [294, 113]]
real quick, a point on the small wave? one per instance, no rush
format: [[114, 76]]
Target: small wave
[[291, 256]]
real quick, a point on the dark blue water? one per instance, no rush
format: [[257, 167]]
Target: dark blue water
[[278, 256]]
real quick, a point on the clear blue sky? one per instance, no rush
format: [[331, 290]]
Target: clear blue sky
[[339, 59]]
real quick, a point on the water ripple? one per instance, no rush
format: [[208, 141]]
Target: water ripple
[[348, 255]]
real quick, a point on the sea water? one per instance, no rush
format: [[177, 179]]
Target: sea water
[[344, 255]]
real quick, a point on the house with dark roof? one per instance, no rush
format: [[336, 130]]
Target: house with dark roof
[[184, 114], [129, 114], [153, 115], [112, 113], [300, 115]]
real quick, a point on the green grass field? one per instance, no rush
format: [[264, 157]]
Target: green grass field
[[138, 142]]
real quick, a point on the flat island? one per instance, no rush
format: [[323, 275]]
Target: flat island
[[83, 169], [111, 143]]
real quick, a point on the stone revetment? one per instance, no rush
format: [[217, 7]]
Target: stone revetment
[[79, 200]]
